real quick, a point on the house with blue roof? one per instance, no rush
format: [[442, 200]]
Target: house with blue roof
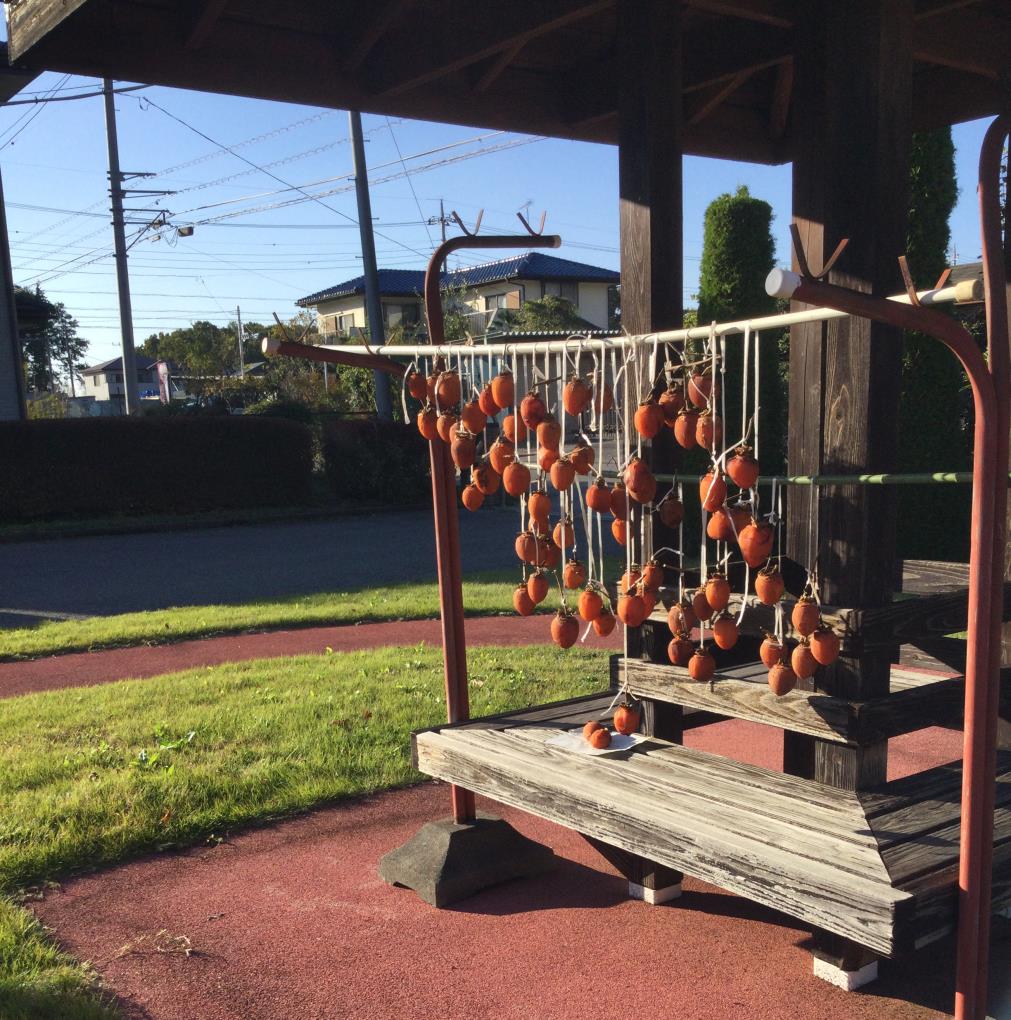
[[480, 290]]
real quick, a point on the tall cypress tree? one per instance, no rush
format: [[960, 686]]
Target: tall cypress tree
[[738, 252], [933, 435]]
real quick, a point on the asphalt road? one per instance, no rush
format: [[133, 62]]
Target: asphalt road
[[110, 574]]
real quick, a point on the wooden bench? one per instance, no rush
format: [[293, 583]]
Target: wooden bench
[[878, 867]]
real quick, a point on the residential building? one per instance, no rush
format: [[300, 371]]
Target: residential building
[[480, 291]]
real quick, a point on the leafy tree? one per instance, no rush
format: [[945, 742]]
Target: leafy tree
[[49, 340], [546, 314], [737, 254], [933, 433], [204, 353]]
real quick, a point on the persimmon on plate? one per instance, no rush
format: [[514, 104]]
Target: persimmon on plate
[[573, 740]]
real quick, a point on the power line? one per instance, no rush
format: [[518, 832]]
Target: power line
[[407, 172]]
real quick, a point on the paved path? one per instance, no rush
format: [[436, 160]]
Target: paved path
[[293, 921], [86, 669]]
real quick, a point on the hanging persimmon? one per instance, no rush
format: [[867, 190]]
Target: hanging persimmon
[[537, 587], [770, 651], [446, 426], [564, 633], [550, 554], [629, 580], [522, 602], [485, 478], [598, 496], [701, 389], [546, 458], [649, 597], [740, 514], [782, 679], [648, 419], [743, 468], [417, 385], [516, 478], [619, 501], [428, 422], [447, 389], [755, 541], [513, 428], [563, 474], [700, 604], [619, 529], [712, 491], [805, 615], [486, 401], [472, 418], [725, 631], [639, 481], [576, 396], [549, 432], [472, 497], [671, 401], [709, 431], [825, 645], [590, 605], [582, 458], [681, 619], [501, 455], [702, 665], [603, 400], [604, 623], [564, 533], [539, 507], [463, 449], [720, 527], [532, 410], [685, 426], [652, 575], [502, 389], [769, 586], [526, 547], [574, 574], [670, 512], [802, 662], [631, 610], [717, 591], [680, 650], [627, 718]]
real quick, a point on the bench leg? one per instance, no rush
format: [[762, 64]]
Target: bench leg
[[647, 881], [843, 963]]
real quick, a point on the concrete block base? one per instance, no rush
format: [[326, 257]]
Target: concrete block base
[[847, 980], [654, 897], [446, 862]]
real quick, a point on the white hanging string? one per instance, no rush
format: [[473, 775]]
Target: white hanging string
[[403, 389], [758, 392]]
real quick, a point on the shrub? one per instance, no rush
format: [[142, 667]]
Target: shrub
[[92, 466], [378, 461], [280, 407]]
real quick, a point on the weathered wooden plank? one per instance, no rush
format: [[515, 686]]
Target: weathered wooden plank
[[27, 23], [573, 795]]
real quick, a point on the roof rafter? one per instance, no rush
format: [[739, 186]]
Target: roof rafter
[[500, 27], [204, 17], [373, 32]]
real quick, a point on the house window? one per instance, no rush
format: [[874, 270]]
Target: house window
[[119, 377], [328, 323], [493, 301], [346, 322], [566, 291], [401, 315]]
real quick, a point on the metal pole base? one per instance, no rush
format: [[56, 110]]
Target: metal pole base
[[654, 897], [847, 980], [447, 862]]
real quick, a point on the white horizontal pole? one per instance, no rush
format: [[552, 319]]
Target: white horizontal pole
[[964, 292]]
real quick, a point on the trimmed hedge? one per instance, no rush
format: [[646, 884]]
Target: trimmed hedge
[[96, 466], [380, 462]]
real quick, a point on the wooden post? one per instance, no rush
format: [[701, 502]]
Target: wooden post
[[849, 180], [649, 169]]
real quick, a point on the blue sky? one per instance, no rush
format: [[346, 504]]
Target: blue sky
[[54, 159]]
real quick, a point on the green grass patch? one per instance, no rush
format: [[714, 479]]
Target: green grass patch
[[483, 595], [93, 776]]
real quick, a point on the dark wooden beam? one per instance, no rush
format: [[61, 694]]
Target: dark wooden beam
[[779, 13], [428, 52], [701, 104], [204, 16], [782, 94], [373, 31], [966, 41], [496, 65]]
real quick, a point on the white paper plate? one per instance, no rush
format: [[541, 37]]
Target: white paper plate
[[572, 740]]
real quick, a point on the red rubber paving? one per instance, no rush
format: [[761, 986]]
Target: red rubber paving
[[85, 669], [292, 921]]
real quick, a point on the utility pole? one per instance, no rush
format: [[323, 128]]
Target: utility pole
[[130, 393], [12, 375], [440, 219], [373, 304], [238, 330]]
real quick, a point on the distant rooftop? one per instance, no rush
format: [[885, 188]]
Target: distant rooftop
[[116, 365], [533, 265]]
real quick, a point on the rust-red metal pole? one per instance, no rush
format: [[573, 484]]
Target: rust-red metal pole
[[976, 828], [309, 352], [447, 532], [999, 362]]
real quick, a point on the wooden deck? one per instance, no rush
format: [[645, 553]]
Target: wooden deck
[[877, 868]]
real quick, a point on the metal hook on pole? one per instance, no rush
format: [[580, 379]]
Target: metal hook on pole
[[477, 223], [530, 230], [805, 269]]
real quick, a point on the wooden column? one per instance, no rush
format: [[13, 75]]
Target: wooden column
[[649, 168], [851, 129]]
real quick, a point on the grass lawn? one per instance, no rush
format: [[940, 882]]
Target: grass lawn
[[92, 776], [483, 594]]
